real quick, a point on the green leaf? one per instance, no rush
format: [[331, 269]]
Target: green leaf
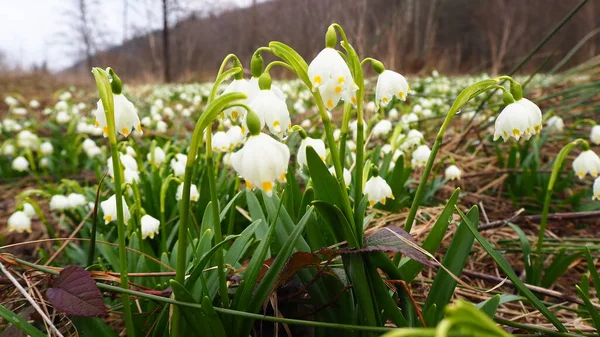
[[490, 306], [593, 270], [455, 260], [510, 273], [291, 57], [213, 319], [411, 268], [196, 270], [20, 322], [325, 185], [193, 316], [383, 298], [594, 313], [92, 326], [526, 249], [560, 264]]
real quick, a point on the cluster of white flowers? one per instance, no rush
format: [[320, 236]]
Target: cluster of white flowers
[[60, 202], [20, 221]]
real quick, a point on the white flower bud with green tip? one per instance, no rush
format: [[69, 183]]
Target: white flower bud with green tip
[[126, 116], [109, 208], [19, 222], [377, 190], [317, 144], [390, 84], [194, 195], [220, 142], [595, 135], [587, 162], [150, 226], [420, 156], [452, 172], [330, 74], [20, 164]]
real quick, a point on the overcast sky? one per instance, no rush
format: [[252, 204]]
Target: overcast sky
[[35, 31]]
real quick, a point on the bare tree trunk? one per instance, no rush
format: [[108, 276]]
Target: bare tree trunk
[[86, 34], [167, 72]]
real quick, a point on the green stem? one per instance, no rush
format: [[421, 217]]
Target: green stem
[[344, 132], [560, 158], [163, 222], [138, 208], [212, 185]]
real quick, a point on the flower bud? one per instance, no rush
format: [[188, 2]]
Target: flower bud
[[264, 81], [330, 37], [115, 84], [256, 65]]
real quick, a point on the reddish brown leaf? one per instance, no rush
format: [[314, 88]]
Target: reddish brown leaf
[[74, 291]]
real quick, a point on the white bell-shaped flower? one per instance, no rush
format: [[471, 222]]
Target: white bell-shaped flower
[[178, 164], [109, 208], [20, 164], [555, 123], [452, 172], [157, 157], [150, 226], [377, 190], [514, 121], [20, 222], [390, 84], [272, 111], [413, 138], [596, 189], [330, 74], [595, 135], [220, 142], [236, 136], [382, 128], [587, 162], [161, 127], [420, 156], [29, 210], [59, 202], [317, 144], [131, 176], [236, 85], [346, 173], [76, 200], [27, 140], [534, 115], [262, 161], [130, 151], [194, 195], [126, 116], [46, 148]]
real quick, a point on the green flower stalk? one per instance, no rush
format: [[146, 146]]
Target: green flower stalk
[[105, 90]]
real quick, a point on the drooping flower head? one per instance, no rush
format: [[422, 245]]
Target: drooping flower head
[[221, 142], [237, 85], [595, 135], [150, 226], [390, 84], [420, 156], [452, 172], [330, 75], [587, 162], [126, 117], [596, 189], [109, 208], [194, 195], [271, 110], [317, 144], [20, 222], [377, 190]]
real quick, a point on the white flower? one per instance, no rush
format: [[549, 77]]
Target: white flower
[[393, 113], [146, 121], [272, 111], [29, 210], [420, 156], [19, 111], [20, 164], [150, 226], [390, 84], [65, 96], [346, 174], [131, 176], [595, 134], [452, 172], [130, 151], [109, 208], [193, 192], [261, 161], [371, 107], [330, 74], [178, 164], [417, 108], [220, 142], [513, 121], [383, 128], [411, 139], [161, 127], [409, 118], [555, 123], [534, 114], [44, 162], [186, 112], [596, 189], [59, 203], [317, 144], [236, 136], [377, 190], [240, 85], [20, 222], [88, 143], [34, 104], [587, 162], [27, 139], [336, 134], [158, 158], [63, 117], [129, 162], [10, 101], [76, 200], [8, 149], [126, 117], [46, 148]]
